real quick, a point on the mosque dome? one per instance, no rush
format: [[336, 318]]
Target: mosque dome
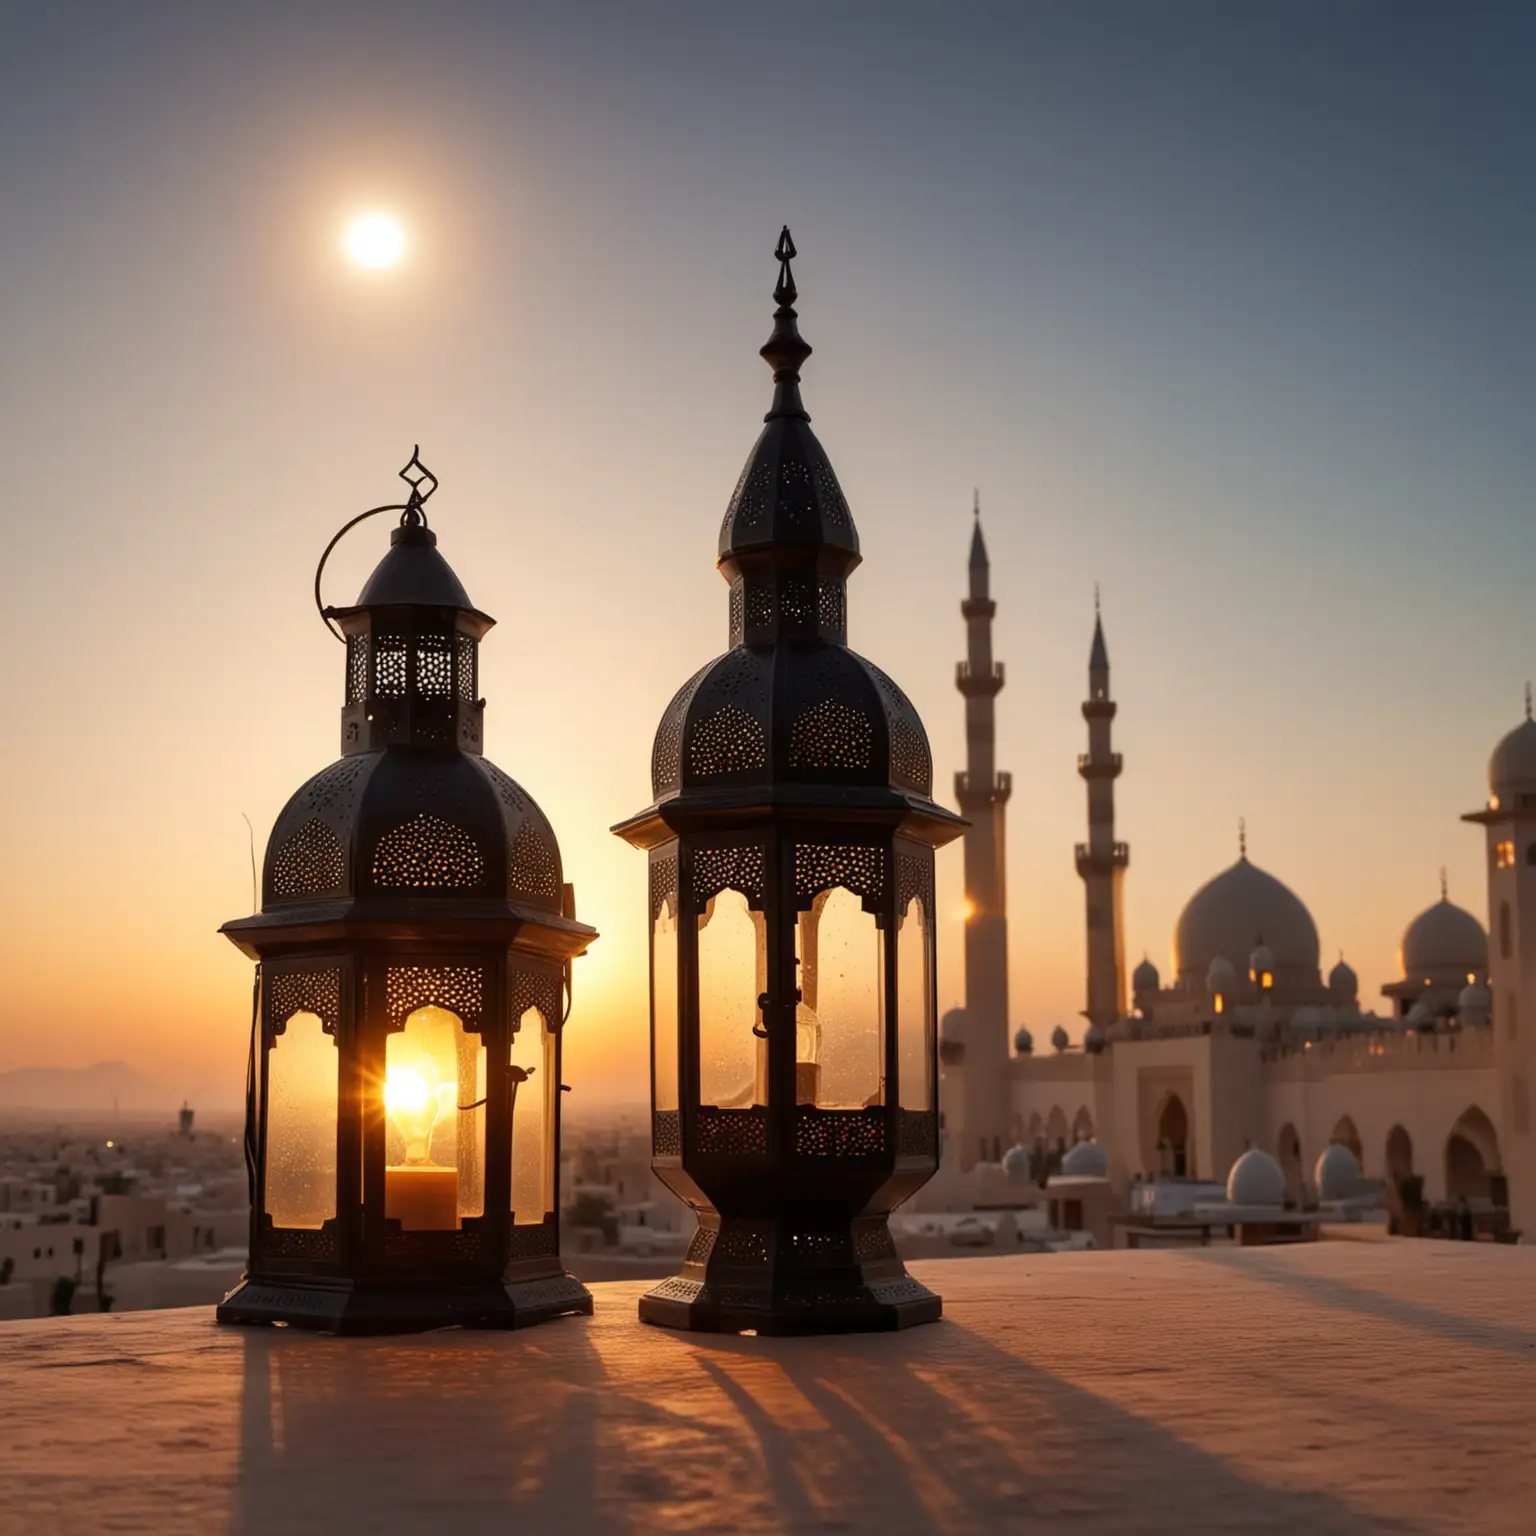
[[1016, 1163], [1512, 768], [1145, 978], [1336, 1172], [1221, 977], [1342, 979], [1256, 1179], [1244, 906], [952, 1037], [1474, 1003], [1419, 1016], [1443, 944], [1086, 1160], [1095, 1039], [1023, 1041], [1060, 1040]]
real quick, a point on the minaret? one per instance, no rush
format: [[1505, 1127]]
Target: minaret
[[1101, 860], [983, 793]]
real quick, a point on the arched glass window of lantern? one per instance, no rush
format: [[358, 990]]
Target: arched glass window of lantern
[[839, 1020], [664, 996], [914, 1007], [733, 953], [302, 1078], [533, 1110], [434, 1111]]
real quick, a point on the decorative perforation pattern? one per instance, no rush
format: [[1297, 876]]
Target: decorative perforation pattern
[[914, 877], [797, 602], [532, 1241], [834, 505], [872, 1241], [748, 509], [831, 601], [822, 1247], [434, 666], [742, 1245], [428, 853], [676, 1289], [729, 741], [316, 992], [831, 734], [759, 604], [666, 765], [894, 1292], [731, 1130], [333, 793], [299, 1243], [458, 988], [820, 866], [389, 666], [701, 1246], [716, 868], [532, 867], [357, 668], [508, 791], [797, 506], [465, 1246], [915, 1133], [528, 989], [839, 1132], [911, 761], [464, 648], [663, 883], [666, 1133], [737, 611], [309, 862]]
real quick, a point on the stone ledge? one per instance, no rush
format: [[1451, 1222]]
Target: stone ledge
[[1329, 1387]]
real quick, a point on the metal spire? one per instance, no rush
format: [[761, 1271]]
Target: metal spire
[[1242, 837], [1527, 701], [786, 349], [1445, 889]]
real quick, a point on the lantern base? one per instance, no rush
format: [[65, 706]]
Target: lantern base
[[349, 1307], [881, 1306]]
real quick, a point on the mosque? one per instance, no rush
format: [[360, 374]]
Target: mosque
[[1246, 1044]]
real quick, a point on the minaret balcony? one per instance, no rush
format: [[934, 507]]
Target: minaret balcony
[[977, 683], [1103, 861], [1106, 767], [979, 795]]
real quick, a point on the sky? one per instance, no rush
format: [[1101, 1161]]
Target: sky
[[1229, 309]]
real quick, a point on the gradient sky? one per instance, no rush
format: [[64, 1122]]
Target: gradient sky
[[1229, 308]]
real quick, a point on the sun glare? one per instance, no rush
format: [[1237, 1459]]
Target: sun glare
[[375, 240]]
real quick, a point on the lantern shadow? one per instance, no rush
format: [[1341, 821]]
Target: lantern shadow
[[468, 1430]]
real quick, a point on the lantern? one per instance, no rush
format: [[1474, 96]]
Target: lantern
[[790, 841], [413, 950]]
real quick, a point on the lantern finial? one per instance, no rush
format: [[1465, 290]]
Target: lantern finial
[[786, 349], [416, 474]]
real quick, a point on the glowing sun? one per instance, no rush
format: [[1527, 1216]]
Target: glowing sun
[[375, 240]]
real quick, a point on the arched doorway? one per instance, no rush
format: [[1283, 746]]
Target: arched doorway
[[1471, 1155], [1346, 1134], [1173, 1138], [1082, 1125], [1289, 1155], [1399, 1163]]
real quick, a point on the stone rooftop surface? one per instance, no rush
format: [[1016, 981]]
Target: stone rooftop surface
[[1324, 1387]]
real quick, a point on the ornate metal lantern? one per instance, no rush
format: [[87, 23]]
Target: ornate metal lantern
[[791, 915], [413, 950]]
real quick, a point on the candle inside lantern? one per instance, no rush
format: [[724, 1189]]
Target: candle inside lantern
[[421, 1194]]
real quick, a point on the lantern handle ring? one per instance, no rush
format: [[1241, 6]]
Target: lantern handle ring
[[346, 528]]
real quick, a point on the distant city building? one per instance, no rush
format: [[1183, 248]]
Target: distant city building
[[1248, 1044]]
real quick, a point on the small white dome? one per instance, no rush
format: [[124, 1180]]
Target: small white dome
[[1261, 960], [1336, 1172], [1474, 1003], [1221, 978], [1443, 941], [1256, 1179], [1016, 1163], [1060, 1040], [952, 1025], [1145, 978], [1023, 1041], [1095, 1039], [1342, 978], [1087, 1160], [1512, 768]]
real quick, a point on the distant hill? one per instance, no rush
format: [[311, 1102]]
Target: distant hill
[[90, 1089]]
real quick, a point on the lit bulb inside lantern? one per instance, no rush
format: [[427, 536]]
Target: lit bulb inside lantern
[[413, 1100], [419, 1192]]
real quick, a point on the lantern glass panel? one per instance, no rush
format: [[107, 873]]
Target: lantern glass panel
[[733, 957], [914, 1008], [839, 1035], [664, 1005], [302, 1078], [434, 1172], [532, 1115]]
